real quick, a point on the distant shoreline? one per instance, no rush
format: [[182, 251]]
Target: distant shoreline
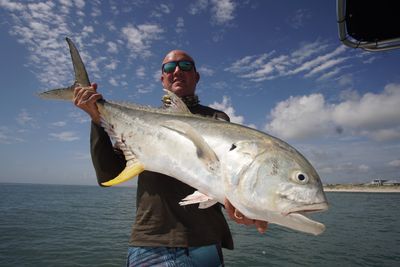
[[352, 188], [362, 188]]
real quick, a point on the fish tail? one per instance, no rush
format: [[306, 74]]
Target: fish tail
[[81, 77], [58, 94]]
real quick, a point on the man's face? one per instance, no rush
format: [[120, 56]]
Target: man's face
[[180, 82]]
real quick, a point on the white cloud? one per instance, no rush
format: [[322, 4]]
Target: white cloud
[[165, 8], [141, 72], [112, 65], [79, 116], [329, 75], [297, 20], [112, 47], [306, 50], [157, 76], [206, 71], [180, 25], [384, 134], [345, 80], [222, 10], [80, 4], [144, 88], [96, 11], [310, 59], [226, 106], [316, 62], [141, 37], [326, 65], [198, 7], [372, 115], [249, 63], [111, 26], [24, 118], [87, 30], [59, 124], [11, 6], [66, 136], [65, 6], [160, 10], [7, 136], [300, 117], [395, 163], [372, 110], [42, 27], [348, 168], [113, 81]]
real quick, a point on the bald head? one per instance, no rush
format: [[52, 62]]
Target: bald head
[[181, 82], [177, 55]]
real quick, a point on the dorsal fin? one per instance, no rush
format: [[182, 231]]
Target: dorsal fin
[[176, 104]]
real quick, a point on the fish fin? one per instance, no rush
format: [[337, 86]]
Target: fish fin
[[204, 152], [197, 197], [128, 173], [245, 152], [207, 204], [81, 76], [133, 165], [249, 147], [176, 104], [119, 142], [66, 93]]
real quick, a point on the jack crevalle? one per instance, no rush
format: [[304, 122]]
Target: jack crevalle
[[262, 176]]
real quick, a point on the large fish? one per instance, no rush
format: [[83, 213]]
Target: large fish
[[262, 176]]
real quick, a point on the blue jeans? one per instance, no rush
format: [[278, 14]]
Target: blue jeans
[[172, 257]]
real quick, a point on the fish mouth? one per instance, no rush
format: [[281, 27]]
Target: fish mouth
[[313, 208], [298, 219]]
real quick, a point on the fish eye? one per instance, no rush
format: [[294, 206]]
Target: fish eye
[[300, 177]]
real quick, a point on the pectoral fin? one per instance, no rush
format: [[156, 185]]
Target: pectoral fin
[[246, 152], [197, 197], [204, 152], [128, 173]]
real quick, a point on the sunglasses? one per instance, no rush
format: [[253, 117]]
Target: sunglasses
[[183, 65]]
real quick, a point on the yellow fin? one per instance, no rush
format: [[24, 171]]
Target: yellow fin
[[128, 173]]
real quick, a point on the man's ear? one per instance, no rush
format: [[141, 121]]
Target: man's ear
[[197, 77], [162, 80]]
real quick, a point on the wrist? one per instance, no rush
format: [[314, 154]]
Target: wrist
[[96, 119]]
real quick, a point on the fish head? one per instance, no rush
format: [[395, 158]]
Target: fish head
[[272, 181]]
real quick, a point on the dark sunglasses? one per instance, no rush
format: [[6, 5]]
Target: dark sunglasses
[[183, 65]]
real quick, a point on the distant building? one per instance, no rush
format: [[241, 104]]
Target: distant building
[[391, 182], [378, 182], [382, 182]]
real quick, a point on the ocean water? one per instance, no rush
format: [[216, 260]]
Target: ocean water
[[54, 225]]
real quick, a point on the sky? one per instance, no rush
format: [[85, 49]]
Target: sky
[[277, 66]]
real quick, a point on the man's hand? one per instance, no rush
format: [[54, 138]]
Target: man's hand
[[238, 217], [85, 98]]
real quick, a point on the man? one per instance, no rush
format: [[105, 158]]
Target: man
[[165, 233]]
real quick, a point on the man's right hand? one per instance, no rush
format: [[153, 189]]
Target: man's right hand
[[85, 98], [238, 217]]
